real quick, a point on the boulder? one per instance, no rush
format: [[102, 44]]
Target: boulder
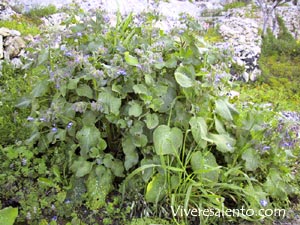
[[13, 46]]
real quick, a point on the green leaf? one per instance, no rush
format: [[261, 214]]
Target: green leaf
[[72, 84], [199, 130], [85, 90], [8, 215], [43, 56], [88, 137], [156, 189], [131, 155], [81, 167], [110, 103], [225, 109], [183, 80], [140, 140], [185, 76], [40, 89], [167, 141], [252, 159], [131, 60], [140, 89], [23, 103], [99, 184], [219, 126], [46, 182], [205, 166], [135, 109], [224, 142], [151, 120], [115, 165]]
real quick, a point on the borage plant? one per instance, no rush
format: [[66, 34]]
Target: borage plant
[[146, 110]]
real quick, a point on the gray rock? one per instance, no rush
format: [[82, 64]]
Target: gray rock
[[5, 32], [246, 76], [14, 45]]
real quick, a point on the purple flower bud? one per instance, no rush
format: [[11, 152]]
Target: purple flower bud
[[29, 118], [24, 162], [263, 202], [42, 119], [54, 218], [122, 72], [54, 129], [266, 148], [69, 125]]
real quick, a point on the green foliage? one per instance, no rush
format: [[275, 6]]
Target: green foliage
[[279, 62], [21, 24], [237, 69], [146, 220], [235, 4], [35, 14], [212, 35], [263, 93], [13, 85]]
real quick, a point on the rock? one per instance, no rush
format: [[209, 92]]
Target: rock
[[246, 76], [6, 12], [5, 32], [14, 45]]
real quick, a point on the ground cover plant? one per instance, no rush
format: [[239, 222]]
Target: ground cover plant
[[131, 121]]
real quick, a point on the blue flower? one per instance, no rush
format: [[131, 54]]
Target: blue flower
[[69, 125], [263, 202], [266, 148], [54, 218], [29, 118], [42, 119], [122, 72], [54, 129]]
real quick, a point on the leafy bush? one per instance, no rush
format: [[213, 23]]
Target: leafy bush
[[21, 24], [35, 14], [280, 60], [235, 4], [142, 111], [13, 85]]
